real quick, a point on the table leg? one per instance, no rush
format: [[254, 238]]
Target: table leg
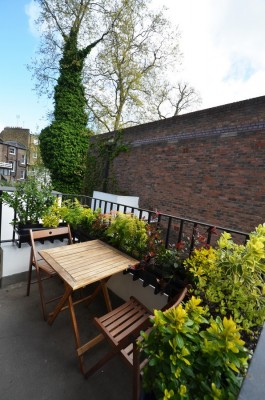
[[105, 291], [76, 333], [53, 315]]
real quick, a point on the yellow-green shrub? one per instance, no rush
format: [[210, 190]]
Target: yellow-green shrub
[[230, 277], [128, 233], [192, 357]]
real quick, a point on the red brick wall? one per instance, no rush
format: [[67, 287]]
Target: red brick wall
[[207, 165]]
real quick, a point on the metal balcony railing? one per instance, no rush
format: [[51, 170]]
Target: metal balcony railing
[[174, 229]]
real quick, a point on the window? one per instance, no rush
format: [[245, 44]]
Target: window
[[23, 159], [13, 166], [12, 150], [4, 171], [35, 155], [22, 174], [36, 142]]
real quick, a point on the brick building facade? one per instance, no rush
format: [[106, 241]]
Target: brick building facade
[[206, 165], [20, 148], [13, 161]]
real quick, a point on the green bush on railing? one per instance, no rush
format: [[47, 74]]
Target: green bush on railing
[[230, 279], [128, 233], [76, 215]]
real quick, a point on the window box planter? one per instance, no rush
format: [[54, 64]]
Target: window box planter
[[22, 232], [82, 235], [151, 276]]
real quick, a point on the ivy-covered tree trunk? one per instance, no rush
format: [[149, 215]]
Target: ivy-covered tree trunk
[[64, 143]]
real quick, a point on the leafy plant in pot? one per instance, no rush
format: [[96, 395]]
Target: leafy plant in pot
[[230, 280], [82, 219], [29, 200], [128, 233], [193, 356]]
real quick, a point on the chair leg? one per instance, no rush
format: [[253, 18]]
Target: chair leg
[[136, 372], [43, 305], [29, 279]]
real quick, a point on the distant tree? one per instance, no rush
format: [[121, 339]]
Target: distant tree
[[128, 68], [170, 100], [131, 68]]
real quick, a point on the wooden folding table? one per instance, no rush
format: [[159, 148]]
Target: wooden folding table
[[80, 265]]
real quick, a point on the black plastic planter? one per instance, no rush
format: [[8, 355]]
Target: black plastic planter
[[22, 232]]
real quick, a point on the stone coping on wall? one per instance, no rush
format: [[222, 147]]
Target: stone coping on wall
[[222, 132]]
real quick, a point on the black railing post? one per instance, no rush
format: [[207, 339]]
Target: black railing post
[[168, 231], [193, 237], [180, 230]]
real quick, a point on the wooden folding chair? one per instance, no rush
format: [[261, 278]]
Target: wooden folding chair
[[121, 327], [43, 269]]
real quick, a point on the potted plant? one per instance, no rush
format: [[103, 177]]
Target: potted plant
[[52, 216], [196, 350], [86, 224], [29, 200], [128, 233], [191, 355], [230, 279]]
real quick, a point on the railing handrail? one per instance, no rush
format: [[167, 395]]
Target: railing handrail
[[95, 203], [170, 218]]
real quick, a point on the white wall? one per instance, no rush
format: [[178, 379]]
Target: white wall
[[124, 286], [7, 227], [16, 260], [130, 201]]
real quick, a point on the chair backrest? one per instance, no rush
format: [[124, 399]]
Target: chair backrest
[[177, 299], [53, 233], [131, 353]]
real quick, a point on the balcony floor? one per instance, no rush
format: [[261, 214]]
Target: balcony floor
[[38, 361]]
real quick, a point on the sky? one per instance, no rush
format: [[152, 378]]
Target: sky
[[222, 42]]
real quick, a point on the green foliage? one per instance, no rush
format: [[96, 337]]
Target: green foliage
[[72, 212], [30, 200], [128, 233], [63, 150], [101, 154], [231, 278], [191, 356], [170, 260], [53, 215], [64, 143], [165, 263], [76, 215]]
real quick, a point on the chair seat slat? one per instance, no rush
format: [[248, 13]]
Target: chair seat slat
[[126, 324], [122, 317]]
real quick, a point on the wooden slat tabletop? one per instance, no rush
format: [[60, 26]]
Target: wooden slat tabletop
[[84, 263]]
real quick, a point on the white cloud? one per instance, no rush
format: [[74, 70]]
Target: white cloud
[[32, 10], [223, 46]]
